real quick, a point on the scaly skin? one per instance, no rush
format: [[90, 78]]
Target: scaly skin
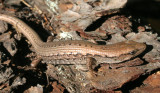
[[66, 51]]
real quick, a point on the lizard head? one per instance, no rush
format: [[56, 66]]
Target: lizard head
[[130, 49]]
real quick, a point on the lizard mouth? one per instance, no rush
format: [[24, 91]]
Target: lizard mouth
[[130, 55]]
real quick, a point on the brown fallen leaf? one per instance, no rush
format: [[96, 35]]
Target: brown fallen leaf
[[57, 88]]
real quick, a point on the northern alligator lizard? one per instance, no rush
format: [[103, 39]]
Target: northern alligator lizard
[[76, 51]]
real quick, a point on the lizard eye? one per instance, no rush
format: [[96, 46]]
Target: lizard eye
[[133, 52]]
